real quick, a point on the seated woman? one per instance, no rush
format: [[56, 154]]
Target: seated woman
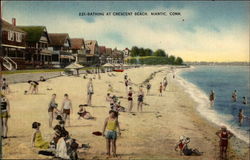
[[37, 140], [183, 147], [83, 113]]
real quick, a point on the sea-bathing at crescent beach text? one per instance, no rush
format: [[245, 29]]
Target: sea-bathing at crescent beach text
[[160, 13]]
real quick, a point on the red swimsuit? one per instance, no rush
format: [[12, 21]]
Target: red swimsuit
[[224, 139]]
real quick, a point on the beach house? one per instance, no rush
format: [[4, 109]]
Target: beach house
[[102, 54], [37, 42], [117, 56], [92, 52], [13, 53], [60, 46], [79, 50]]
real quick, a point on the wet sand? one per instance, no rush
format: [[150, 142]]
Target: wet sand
[[148, 135]]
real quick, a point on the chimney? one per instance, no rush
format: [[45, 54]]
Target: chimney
[[14, 21]]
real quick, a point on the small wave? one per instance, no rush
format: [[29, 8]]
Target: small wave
[[204, 109]]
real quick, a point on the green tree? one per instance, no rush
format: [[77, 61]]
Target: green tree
[[141, 52], [148, 52], [178, 61], [134, 51], [171, 59], [160, 52]]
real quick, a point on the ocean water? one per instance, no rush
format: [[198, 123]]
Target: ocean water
[[200, 80]]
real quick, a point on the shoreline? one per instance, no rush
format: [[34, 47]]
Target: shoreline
[[239, 140], [136, 140]]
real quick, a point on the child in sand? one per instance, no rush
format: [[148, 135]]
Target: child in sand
[[37, 140], [110, 88], [111, 124], [83, 113]]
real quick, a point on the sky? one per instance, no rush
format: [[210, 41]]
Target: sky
[[205, 31]]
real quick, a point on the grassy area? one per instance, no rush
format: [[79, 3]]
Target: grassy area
[[40, 70]]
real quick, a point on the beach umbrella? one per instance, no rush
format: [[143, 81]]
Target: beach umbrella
[[75, 66], [108, 65]]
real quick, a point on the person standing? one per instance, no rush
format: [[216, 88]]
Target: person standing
[[5, 86], [165, 83], [66, 108], [224, 136], [241, 117], [125, 76], [111, 124], [5, 114], [160, 89], [130, 99], [148, 88], [234, 96], [52, 107], [90, 92], [212, 98], [140, 99], [126, 85]]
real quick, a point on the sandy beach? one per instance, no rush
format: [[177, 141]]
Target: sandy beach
[[152, 134]]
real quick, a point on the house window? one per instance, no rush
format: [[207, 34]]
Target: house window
[[11, 36], [18, 37], [55, 57]]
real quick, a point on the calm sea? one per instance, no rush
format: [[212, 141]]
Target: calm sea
[[200, 80]]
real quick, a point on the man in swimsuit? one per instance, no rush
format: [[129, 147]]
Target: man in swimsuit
[[111, 124], [224, 136], [5, 114], [66, 108]]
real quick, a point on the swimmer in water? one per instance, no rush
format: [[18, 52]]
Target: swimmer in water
[[234, 96]]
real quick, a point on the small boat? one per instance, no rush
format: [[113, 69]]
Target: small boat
[[118, 70]]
